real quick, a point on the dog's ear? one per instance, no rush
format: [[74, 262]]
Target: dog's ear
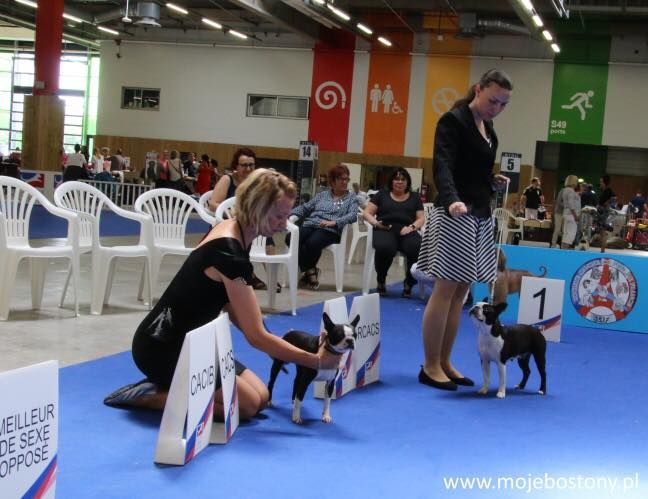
[[500, 307], [355, 321], [328, 323]]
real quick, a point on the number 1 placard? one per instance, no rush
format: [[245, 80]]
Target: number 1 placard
[[541, 302]]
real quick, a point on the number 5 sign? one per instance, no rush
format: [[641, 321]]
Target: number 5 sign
[[541, 302], [510, 162]]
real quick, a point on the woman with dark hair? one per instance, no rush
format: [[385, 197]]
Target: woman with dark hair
[[396, 216], [322, 221], [243, 163], [458, 246], [205, 175]]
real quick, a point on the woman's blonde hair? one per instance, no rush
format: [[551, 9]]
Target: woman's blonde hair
[[256, 195], [571, 181]]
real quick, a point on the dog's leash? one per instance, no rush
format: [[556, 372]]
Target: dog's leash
[[500, 238]]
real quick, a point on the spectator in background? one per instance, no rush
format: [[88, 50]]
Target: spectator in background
[[571, 210], [243, 163], [162, 171], [361, 196], [75, 172], [75, 159], [588, 198], [205, 175], [396, 215], [117, 162], [191, 166], [639, 204], [532, 199], [96, 161], [322, 220]]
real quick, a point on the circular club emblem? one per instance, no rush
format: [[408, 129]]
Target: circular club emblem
[[604, 290]]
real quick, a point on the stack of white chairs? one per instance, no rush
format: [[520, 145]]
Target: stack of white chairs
[[17, 199], [169, 211], [272, 262], [89, 202]]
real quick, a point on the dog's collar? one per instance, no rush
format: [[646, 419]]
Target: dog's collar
[[330, 349]]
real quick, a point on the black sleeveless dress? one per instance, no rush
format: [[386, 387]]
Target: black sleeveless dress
[[191, 300]]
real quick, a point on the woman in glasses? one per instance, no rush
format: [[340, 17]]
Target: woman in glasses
[[396, 216], [243, 163], [322, 220]]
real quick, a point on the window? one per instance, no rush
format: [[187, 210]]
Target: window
[[277, 106], [140, 98]]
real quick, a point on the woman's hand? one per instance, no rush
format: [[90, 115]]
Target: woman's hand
[[500, 181], [328, 223], [326, 359], [457, 209], [408, 229]]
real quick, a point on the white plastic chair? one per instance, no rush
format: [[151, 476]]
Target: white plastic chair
[[503, 217], [225, 209], [17, 198], [169, 211], [290, 259], [88, 202], [204, 202], [356, 235]]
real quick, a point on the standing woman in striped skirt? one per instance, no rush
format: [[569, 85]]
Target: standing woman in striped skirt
[[458, 246]]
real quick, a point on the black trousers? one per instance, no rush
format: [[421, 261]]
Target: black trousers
[[387, 243], [312, 241]]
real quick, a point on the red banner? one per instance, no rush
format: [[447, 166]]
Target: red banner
[[331, 98]]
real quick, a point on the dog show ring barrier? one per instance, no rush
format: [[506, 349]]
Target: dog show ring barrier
[[362, 366], [206, 353], [29, 419]]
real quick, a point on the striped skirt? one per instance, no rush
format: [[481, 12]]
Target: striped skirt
[[458, 249]]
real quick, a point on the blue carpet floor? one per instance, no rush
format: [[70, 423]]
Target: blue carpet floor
[[45, 225], [393, 439]]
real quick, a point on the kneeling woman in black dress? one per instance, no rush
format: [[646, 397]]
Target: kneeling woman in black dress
[[217, 276]]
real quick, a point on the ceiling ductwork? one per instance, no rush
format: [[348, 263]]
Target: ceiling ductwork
[[147, 14], [472, 27]]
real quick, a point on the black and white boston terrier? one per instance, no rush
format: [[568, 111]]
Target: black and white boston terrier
[[498, 343], [337, 338]]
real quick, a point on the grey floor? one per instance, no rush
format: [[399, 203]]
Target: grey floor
[[31, 336]]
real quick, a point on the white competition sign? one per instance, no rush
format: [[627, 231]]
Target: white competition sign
[[345, 380], [541, 302], [222, 432], [29, 431], [366, 357], [510, 162]]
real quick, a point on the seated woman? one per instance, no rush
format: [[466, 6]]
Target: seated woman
[[322, 221], [243, 163], [216, 276], [396, 216]]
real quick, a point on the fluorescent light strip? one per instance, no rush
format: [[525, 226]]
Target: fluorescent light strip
[[384, 41], [527, 4], [72, 18], [555, 47], [547, 35], [108, 30], [177, 8], [320, 2], [340, 13], [211, 23], [537, 21], [364, 28], [235, 33], [28, 3]]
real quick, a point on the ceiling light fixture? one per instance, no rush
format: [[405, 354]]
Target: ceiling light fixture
[[29, 3], [384, 41], [340, 13], [320, 2], [235, 33], [126, 19], [364, 28], [108, 30], [527, 4], [547, 35], [211, 23], [537, 21], [70, 17], [177, 8], [555, 47]]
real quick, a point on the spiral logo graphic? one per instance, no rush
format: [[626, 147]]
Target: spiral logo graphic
[[327, 96]]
